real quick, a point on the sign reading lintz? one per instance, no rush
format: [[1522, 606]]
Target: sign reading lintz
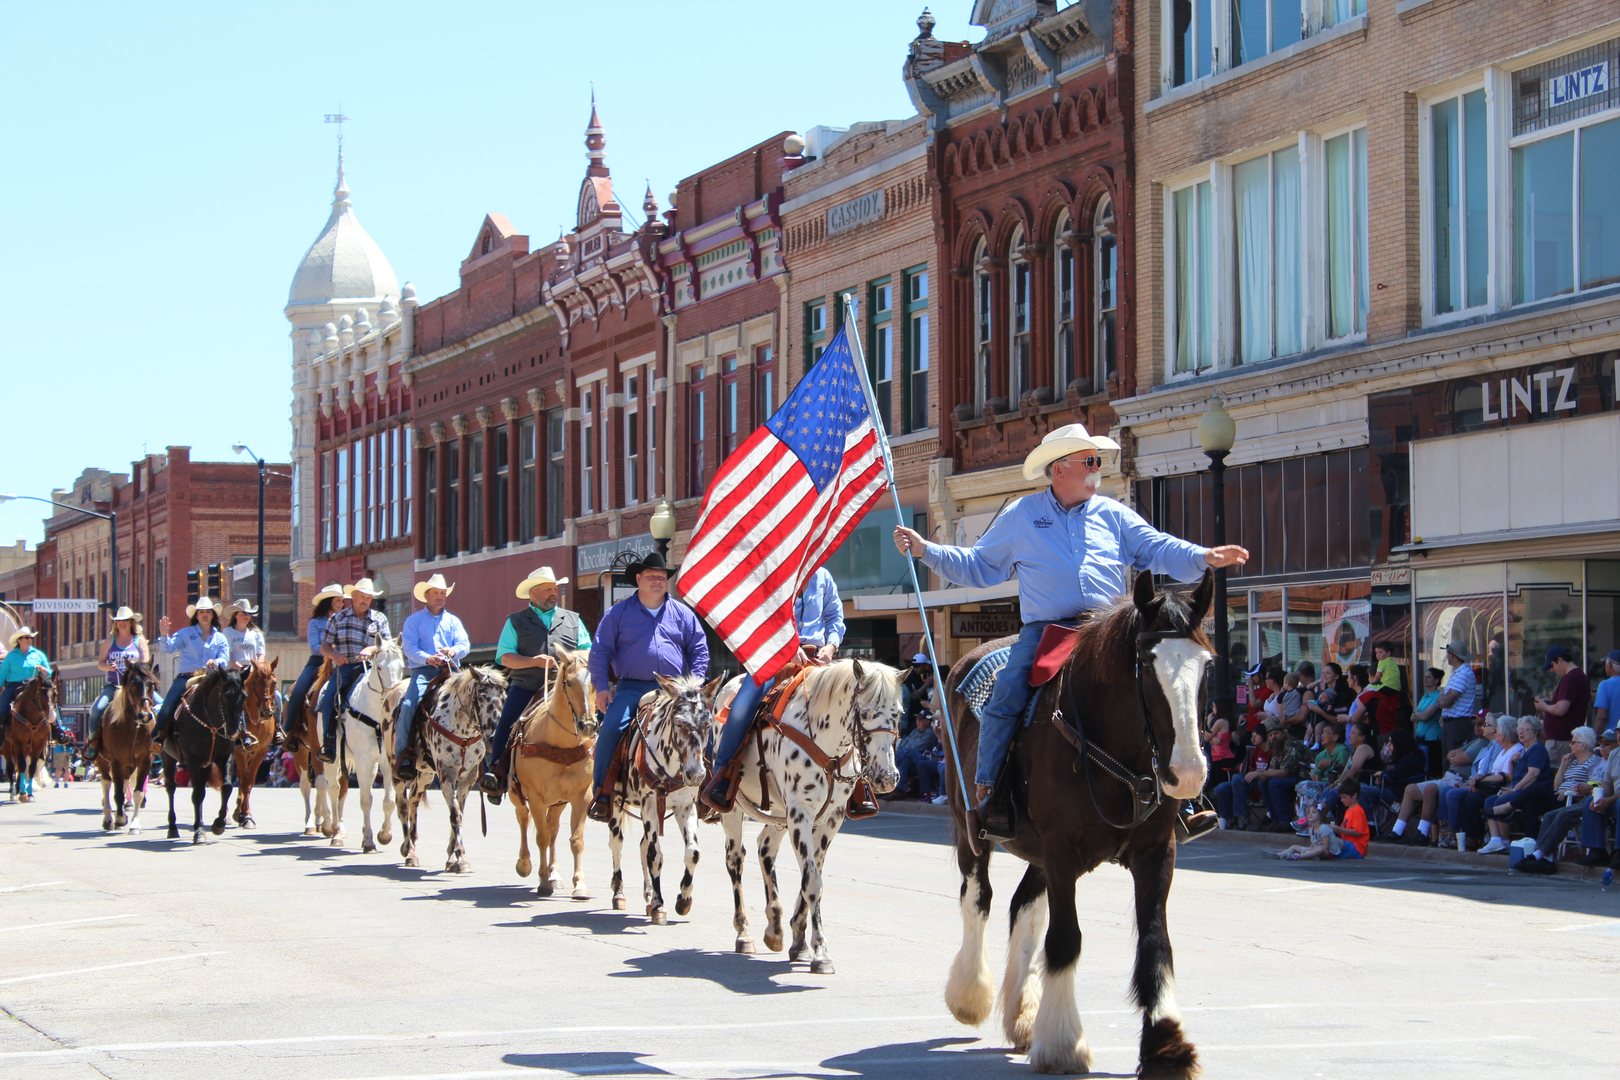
[[859, 211]]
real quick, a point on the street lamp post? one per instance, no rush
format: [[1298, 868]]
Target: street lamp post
[[662, 526], [258, 561], [112, 521], [1217, 431]]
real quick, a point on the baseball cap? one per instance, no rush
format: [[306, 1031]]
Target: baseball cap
[[1557, 652], [1614, 656], [1612, 735], [920, 658]]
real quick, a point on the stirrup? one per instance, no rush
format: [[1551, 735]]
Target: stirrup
[[601, 808]]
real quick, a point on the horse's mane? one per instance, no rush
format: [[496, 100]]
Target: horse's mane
[[1105, 649], [460, 687], [827, 685]]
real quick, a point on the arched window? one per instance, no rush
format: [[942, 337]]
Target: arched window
[[1020, 352], [1063, 280], [1105, 302], [983, 297]]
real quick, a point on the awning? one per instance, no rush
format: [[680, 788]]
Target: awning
[[936, 598]]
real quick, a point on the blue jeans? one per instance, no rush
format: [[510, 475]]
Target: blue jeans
[[517, 699], [1592, 827], [1278, 795], [1232, 797], [619, 712], [1451, 805], [1006, 705], [171, 702], [300, 693], [743, 706], [914, 766], [1532, 802], [103, 700], [415, 684], [342, 682]]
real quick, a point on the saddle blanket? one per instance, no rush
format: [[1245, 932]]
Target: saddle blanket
[[981, 682]]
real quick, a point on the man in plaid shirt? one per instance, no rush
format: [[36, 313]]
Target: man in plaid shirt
[[352, 637]]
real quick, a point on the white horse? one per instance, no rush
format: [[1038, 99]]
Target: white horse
[[841, 724], [360, 747], [664, 771], [457, 731]]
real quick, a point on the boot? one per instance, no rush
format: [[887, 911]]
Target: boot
[[493, 782], [994, 814], [861, 803], [329, 744], [1193, 820], [92, 748], [601, 808], [719, 795], [279, 739], [405, 767]]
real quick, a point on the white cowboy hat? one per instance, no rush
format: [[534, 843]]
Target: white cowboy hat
[[1060, 443], [204, 602], [124, 614], [364, 586], [434, 582], [246, 605], [333, 591], [543, 576], [22, 632]]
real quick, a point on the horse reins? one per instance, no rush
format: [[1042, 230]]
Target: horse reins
[[830, 765]]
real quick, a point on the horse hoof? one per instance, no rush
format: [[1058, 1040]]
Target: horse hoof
[[745, 946], [658, 918], [683, 905], [413, 862], [218, 828], [523, 867], [174, 833], [196, 837], [581, 893], [545, 888], [134, 830], [337, 841], [619, 904], [799, 951], [368, 848], [821, 967], [248, 822], [773, 942], [385, 838], [106, 826]]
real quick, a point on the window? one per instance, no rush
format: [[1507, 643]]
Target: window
[[1266, 205], [452, 532], [554, 472], [916, 344], [815, 331], [697, 401], [1105, 362], [632, 439], [327, 518], [406, 438], [502, 490], [1192, 25], [881, 362], [527, 479], [475, 493], [430, 503], [983, 314], [587, 454], [296, 520], [764, 383], [1193, 306], [160, 590], [730, 407], [1209, 36], [1566, 213], [342, 538], [1460, 211], [1019, 363], [1263, 26], [650, 430], [1345, 158]]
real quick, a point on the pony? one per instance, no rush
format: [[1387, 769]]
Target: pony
[[318, 819], [33, 713], [126, 747], [360, 750], [201, 737], [552, 769], [259, 686], [1111, 750], [665, 768], [457, 726], [797, 776]]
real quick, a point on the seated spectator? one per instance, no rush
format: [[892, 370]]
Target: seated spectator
[[1327, 770], [1403, 765], [913, 757], [1219, 744], [1600, 812], [1579, 775], [1531, 791], [1426, 718], [1387, 670], [1258, 695], [1328, 841], [1423, 798], [1307, 676], [1462, 807], [1274, 772], [1291, 706]]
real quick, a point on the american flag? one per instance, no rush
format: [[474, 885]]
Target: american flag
[[779, 506]]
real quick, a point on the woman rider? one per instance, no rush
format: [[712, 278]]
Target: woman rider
[[328, 602], [123, 647], [247, 647], [17, 668], [200, 646]]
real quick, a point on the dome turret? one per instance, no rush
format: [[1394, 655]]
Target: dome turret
[[343, 263]]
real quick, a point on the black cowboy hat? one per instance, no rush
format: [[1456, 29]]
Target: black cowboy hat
[[651, 561]]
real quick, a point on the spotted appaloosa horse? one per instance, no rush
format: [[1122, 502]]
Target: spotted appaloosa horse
[[552, 769], [665, 770], [33, 713], [126, 747], [1130, 690], [259, 709], [456, 727], [850, 713]]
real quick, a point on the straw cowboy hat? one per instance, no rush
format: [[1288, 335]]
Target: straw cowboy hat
[[434, 582], [365, 586], [204, 602], [543, 576], [333, 591], [1060, 443], [22, 632], [246, 605], [123, 614]]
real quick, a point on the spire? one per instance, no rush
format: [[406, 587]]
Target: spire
[[595, 142], [340, 194], [649, 204]]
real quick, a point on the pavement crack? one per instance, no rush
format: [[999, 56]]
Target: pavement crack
[[35, 1028]]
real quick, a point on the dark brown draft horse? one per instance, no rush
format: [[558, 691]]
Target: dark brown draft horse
[[201, 740], [1128, 695]]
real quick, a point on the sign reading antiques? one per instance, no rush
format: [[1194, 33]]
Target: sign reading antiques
[[985, 624], [859, 211]]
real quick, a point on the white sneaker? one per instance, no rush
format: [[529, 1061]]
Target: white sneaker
[[941, 800], [1496, 844]]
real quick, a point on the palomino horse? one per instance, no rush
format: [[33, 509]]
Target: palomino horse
[[318, 819], [201, 737], [126, 747], [552, 769], [1113, 748], [456, 730], [33, 711], [665, 769], [840, 725], [360, 745], [259, 686]]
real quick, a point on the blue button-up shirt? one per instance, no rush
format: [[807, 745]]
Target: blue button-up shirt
[[425, 634], [314, 632], [640, 644], [19, 665], [1067, 561], [819, 612], [195, 650]]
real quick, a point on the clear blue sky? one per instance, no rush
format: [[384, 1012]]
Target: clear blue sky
[[167, 166]]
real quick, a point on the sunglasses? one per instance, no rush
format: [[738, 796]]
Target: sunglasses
[[1092, 462]]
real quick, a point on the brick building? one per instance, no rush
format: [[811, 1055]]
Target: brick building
[[1385, 233], [74, 560], [16, 580]]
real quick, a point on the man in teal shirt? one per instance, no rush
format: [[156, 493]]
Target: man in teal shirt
[[524, 649], [16, 669]]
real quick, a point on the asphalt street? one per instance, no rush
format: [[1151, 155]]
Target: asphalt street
[[266, 954]]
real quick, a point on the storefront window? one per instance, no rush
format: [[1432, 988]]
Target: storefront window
[[1544, 609], [1267, 646], [1389, 621], [1330, 623], [1602, 617], [1237, 636], [1463, 604]]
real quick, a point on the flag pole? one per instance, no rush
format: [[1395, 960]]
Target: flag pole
[[911, 563]]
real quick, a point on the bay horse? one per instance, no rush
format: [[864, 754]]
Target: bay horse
[[126, 747], [457, 725], [665, 769], [796, 776], [33, 713], [259, 721], [360, 749], [200, 736], [1111, 750], [551, 769]]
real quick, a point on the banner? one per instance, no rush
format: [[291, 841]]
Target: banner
[[1346, 626]]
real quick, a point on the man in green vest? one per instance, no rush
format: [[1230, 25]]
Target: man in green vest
[[524, 649]]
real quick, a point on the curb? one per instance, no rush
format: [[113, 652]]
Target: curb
[[913, 808], [1472, 860]]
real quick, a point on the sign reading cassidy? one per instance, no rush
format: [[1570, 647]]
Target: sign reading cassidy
[[846, 216]]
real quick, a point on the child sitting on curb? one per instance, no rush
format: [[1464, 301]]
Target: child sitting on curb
[[1329, 841]]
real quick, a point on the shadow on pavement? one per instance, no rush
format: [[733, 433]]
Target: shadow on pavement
[[920, 1059], [739, 974], [913, 828], [601, 1063], [575, 917], [391, 871], [484, 896]]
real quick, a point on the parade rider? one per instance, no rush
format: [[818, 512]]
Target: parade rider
[[200, 646], [1073, 550], [432, 638], [17, 668], [352, 637], [330, 599], [819, 614], [641, 637], [124, 646], [247, 648], [525, 650]]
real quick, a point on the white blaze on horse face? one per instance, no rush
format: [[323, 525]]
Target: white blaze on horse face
[[1180, 664]]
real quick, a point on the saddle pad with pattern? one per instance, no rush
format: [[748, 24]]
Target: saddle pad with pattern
[[981, 681]]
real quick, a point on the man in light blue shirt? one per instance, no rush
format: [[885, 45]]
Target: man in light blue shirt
[[1607, 700], [819, 613], [1073, 550], [432, 638]]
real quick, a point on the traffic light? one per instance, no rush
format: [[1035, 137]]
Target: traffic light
[[215, 586], [191, 587]]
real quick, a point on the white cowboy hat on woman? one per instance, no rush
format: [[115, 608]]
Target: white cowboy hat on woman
[[246, 605], [123, 614], [542, 576], [1060, 443], [333, 591], [204, 602], [364, 585], [22, 632], [434, 582]]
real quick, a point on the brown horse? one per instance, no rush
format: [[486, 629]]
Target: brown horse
[[33, 714], [259, 715], [126, 747], [318, 817], [552, 769]]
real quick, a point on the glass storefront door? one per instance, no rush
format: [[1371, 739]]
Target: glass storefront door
[[1545, 608], [1602, 616], [1330, 623], [1266, 614], [1464, 604]]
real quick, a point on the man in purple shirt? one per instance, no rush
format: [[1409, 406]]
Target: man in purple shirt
[[641, 637]]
